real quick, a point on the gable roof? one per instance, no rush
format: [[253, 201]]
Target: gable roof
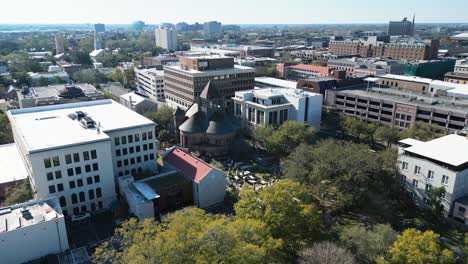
[[189, 165], [210, 91]]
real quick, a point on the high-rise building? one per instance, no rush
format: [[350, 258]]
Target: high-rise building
[[97, 41], [150, 82], [401, 28], [183, 83], [166, 38], [212, 27], [59, 47], [99, 28]]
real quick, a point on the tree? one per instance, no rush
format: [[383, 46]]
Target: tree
[[6, 135], [267, 70], [388, 158], [18, 193], [91, 76], [286, 208], [81, 57], [417, 247], [285, 138], [435, 198], [326, 253], [353, 126], [43, 81], [118, 76], [191, 236], [388, 134], [164, 119], [22, 79], [368, 244], [339, 173], [422, 131], [369, 131]]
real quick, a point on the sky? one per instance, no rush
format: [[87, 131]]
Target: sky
[[230, 12]]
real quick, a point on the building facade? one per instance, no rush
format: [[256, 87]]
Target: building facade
[[304, 71], [401, 28], [166, 38], [274, 106], [59, 47], [150, 82], [212, 27], [183, 83]]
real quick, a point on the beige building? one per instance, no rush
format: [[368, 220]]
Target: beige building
[[166, 38]]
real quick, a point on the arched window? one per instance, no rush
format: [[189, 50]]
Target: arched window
[[91, 194], [74, 198], [63, 201], [98, 193], [82, 197]]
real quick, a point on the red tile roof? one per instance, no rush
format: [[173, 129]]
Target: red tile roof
[[306, 67], [188, 164]]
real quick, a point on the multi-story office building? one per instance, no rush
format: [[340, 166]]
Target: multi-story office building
[[442, 162], [402, 108], [183, 83], [150, 82], [212, 27], [75, 151], [59, 47], [274, 106], [366, 66], [32, 230], [250, 50], [166, 38], [459, 74], [160, 60], [305, 71], [401, 28]]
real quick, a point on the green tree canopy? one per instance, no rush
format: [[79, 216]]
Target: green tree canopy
[[422, 131]]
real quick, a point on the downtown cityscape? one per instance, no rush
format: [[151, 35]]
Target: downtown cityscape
[[193, 132]]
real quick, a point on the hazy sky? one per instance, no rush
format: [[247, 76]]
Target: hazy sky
[[231, 11]]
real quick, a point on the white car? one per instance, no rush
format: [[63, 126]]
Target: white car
[[80, 217]]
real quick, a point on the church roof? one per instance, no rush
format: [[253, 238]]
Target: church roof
[[210, 91]]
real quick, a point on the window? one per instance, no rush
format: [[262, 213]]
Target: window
[[151, 156], [50, 176], [60, 187], [98, 193], [76, 210], [63, 201], [138, 149], [52, 189], [144, 135], [100, 205], [97, 179], [445, 179], [403, 178], [72, 184], [95, 167], [68, 159], [117, 141], [417, 170], [119, 163], [126, 162], [117, 152], [150, 146], [132, 160], [82, 197], [70, 172], [428, 187], [78, 170], [130, 138], [146, 157], [123, 139], [93, 154], [91, 194], [415, 183], [131, 150], [86, 155], [430, 174], [56, 161], [138, 159], [93, 207], [88, 168], [74, 198], [145, 147], [47, 163], [83, 208], [150, 135], [89, 180], [58, 175], [137, 137], [76, 157], [404, 166], [79, 182], [124, 151]]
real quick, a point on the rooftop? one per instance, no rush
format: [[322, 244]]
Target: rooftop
[[29, 214], [236, 68], [53, 91], [266, 93], [135, 98], [450, 149], [12, 164], [189, 165], [275, 82], [48, 127]]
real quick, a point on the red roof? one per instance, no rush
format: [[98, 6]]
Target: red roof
[[306, 67], [188, 164]]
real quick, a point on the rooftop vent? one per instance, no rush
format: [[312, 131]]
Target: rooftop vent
[[88, 122], [80, 115]]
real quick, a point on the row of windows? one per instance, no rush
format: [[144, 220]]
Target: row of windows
[[81, 195], [125, 162], [69, 158], [83, 208], [430, 174], [130, 138], [72, 184], [131, 150], [78, 171]]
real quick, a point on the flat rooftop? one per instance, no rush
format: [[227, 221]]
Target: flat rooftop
[[265, 93], [49, 127], [28, 214], [236, 68], [53, 91], [276, 82], [11, 164], [450, 149]]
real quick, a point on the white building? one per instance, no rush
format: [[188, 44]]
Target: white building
[[150, 82], [32, 230], [97, 54], [442, 162], [74, 151], [269, 106], [166, 38], [138, 103]]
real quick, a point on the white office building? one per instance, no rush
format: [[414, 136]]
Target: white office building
[[274, 106], [75, 151], [442, 162], [32, 230], [150, 82], [166, 38]]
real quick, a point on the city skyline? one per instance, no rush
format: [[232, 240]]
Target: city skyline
[[243, 12]]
